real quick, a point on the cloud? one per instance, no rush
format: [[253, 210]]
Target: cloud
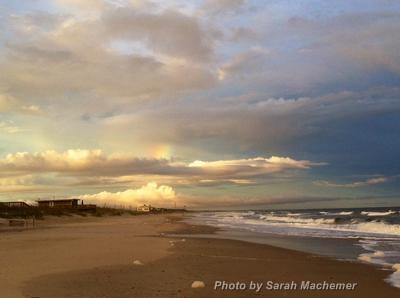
[[151, 193], [314, 55], [250, 167], [222, 6], [9, 127], [11, 104], [117, 169], [368, 182], [80, 162], [186, 37], [245, 63], [84, 4], [242, 34], [121, 53], [271, 124], [372, 42]]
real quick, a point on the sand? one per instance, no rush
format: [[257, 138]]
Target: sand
[[95, 258]]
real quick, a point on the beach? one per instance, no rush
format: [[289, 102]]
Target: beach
[[132, 256]]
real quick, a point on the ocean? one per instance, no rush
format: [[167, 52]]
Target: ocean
[[370, 235]]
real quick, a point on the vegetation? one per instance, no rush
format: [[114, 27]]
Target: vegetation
[[40, 213]]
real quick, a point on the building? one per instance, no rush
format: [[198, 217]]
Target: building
[[143, 208], [67, 203], [14, 205]]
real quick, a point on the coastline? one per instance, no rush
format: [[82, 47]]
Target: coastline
[[95, 259]]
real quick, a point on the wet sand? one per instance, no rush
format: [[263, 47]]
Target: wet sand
[[95, 259]]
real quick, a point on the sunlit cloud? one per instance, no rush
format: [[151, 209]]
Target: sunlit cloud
[[96, 162], [71, 169], [151, 193]]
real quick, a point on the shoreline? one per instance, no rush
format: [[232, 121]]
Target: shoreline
[[104, 266]]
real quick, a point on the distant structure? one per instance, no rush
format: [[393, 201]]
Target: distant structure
[[70, 203], [143, 208], [15, 204], [65, 204]]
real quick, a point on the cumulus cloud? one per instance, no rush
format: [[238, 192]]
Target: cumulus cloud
[[151, 193]]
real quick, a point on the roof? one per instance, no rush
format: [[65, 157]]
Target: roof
[[16, 203], [21, 202], [65, 200]]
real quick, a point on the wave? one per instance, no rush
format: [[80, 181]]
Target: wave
[[378, 228], [299, 225], [385, 213], [346, 213], [378, 237], [294, 219], [336, 213], [294, 214]]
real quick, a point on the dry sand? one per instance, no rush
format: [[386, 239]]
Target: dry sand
[[94, 258], [62, 245]]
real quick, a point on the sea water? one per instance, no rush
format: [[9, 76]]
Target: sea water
[[369, 235]]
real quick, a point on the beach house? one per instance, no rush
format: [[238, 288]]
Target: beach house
[[143, 208], [67, 203], [17, 204]]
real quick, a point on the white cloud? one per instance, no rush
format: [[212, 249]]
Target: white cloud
[[371, 181], [94, 169], [96, 162], [250, 167]]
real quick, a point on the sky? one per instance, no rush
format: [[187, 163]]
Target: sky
[[205, 104]]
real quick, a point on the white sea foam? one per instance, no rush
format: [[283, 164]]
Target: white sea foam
[[373, 258], [396, 267], [379, 253], [336, 213], [293, 214], [346, 213], [379, 239], [365, 258], [297, 220], [368, 213], [378, 228], [394, 278], [373, 227], [301, 226]]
